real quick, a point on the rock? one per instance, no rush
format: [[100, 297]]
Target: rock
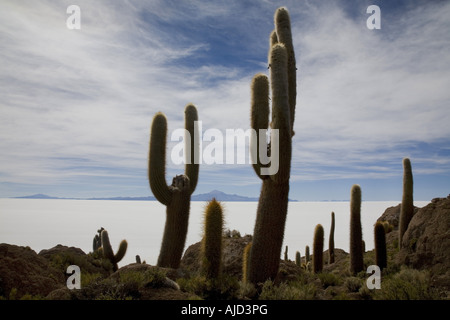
[[233, 250], [22, 269], [392, 215], [426, 242]]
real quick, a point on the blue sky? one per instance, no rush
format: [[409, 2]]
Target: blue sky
[[76, 105]]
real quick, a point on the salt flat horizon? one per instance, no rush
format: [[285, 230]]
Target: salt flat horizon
[[45, 223]]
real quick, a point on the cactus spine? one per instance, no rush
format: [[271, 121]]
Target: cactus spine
[[273, 201], [380, 245], [212, 239], [407, 207], [108, 251], [318, 249], [331, 241], [176, 197], [356, 243]]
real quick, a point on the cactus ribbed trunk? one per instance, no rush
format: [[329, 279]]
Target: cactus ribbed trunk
[[269, 231], [318, 249], [176, 227], [380, 245], [407, 206], [212, 240], [331, 241], [356, 242]]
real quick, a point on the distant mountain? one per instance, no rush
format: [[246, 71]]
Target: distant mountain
[[221, 196], [37, 196], [218, 195]]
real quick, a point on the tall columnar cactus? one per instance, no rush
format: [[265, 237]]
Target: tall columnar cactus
[[331, 241], [286, 256], [245, 260], [298, 258], [318, 249], [212, 240], [380, 245], [356, 245], [407, 206], [273, 201], [176, 197], [108, 251], [307, 255]]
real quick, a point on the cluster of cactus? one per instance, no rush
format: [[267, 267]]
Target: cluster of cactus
[[407, 206], [177, 196], [318, 249], [356, 242], [212, 240], [97, 242], [273, 201], [108, 252]]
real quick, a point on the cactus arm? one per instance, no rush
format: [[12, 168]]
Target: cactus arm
[[284, 36], [191, 167], [280, 112], [259, 118], [121, 251], [157, 160]]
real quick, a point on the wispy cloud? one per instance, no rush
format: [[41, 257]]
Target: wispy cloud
[[77, 104]]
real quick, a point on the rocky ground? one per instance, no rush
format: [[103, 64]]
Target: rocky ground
[[420, 270]]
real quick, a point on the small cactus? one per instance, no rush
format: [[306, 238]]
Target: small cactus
[[407, 206], [380, 245], [331, 241], [212, 239], [286, 257], [298, 258], [108, 251], [307, 255], [318, 249], [97, 242], [356, 242], [138, 259], [245, 258]]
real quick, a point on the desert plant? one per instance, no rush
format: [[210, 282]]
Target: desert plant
[[212, 239], [356, 245], [407, 206], [331, 241], [380, 245], [176, 197], [273, 201], [245, 258], [108, 251], [318, 249], [307, 255], [286, 257], [298, 258], [97, 242]]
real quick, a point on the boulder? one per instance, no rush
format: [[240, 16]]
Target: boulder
[[426, 242], [23, 271]]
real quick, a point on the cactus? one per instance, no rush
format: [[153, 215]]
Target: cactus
[[407, 206], [273, 201], [176, 197], [307, 255], [245, 259], [356, 243], [108, 251], [138, 259], [212, 240], [298, 258], [380, 245], [318, 249], [286, 257], [97, 242], [331, 241]]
